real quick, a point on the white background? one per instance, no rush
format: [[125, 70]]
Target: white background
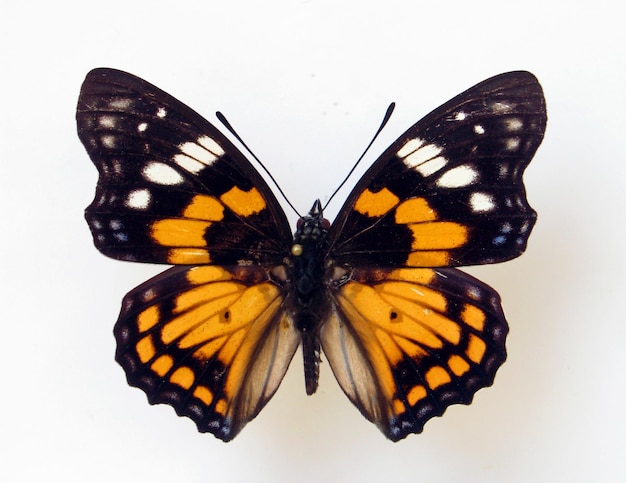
[[306, 84]]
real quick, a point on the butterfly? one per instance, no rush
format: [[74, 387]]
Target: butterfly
[[405, 333]]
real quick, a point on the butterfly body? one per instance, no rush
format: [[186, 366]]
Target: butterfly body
[[405, 333], [308, 259]]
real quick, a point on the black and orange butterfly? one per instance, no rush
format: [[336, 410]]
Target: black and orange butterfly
[[406, 335]]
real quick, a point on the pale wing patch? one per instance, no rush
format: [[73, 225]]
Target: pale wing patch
[[162, 174], [195, 156], [482, 202], [421, 156], [459, 177], [352, 367], [138, 199]]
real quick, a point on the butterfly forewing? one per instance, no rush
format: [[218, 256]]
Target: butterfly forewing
[[172, 188], [449, 191]]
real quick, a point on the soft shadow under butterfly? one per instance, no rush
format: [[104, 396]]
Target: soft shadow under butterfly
[[405, 334]]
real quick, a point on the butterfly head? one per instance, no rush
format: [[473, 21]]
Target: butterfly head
[[310, 229]]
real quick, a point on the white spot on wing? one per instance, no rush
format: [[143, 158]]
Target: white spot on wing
[[481, 202], [512, 144], [423, 158], [108, 141], [513, 124], [196, 151], [120, 103], [458, 177], [210, 144], [499, 240], [138, 199], [160, 173], [196, 156], [142, 126], [189, 164], [114, 168], [473, 293], [161, 112], [148, 295], [506, 227], [460, 116], [478, 129], [107, 121], [431, 166], [410, 146], [115, 224], [501, 107]]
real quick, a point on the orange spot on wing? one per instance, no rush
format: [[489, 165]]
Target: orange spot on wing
[[433, 258], [145, 349], [376, 204], [398, 406], [204, 207], [420, 276], [214, 293], [243, 203], [162, 365], [437, 376], [438, 235], [200, 275], [221, 406], [414, 350], [416, 294], [458, 365], [148, 318], [204, 394], [475, 349], [175, 232], [416, 394], [183, 377], [187, 256], [473, 316], [389, 346], [415, 210]]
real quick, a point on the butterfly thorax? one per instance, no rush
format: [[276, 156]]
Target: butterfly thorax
[[308, 256]]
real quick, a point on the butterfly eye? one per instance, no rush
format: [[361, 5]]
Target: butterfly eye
[[325, 224]]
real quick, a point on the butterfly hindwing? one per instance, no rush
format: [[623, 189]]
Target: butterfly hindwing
[[449, 191], [171, 188], [213, 342], [406, 343]]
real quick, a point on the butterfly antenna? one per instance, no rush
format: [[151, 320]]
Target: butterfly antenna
[[227, 125], [380, 128]]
